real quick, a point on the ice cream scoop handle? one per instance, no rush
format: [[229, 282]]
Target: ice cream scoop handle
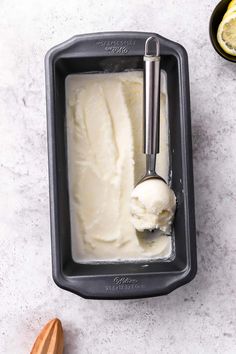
[[151, 98]]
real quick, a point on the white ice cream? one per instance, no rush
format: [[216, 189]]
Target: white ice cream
[[105, 161], [153, 206]]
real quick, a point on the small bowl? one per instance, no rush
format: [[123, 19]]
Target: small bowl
[[215, 20]]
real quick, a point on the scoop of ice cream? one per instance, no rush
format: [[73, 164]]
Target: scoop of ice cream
[[153, 206]]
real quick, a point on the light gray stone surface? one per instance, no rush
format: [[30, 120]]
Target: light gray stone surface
[[197, 318]]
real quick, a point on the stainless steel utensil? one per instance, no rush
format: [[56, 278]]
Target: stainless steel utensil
[[151, 106]]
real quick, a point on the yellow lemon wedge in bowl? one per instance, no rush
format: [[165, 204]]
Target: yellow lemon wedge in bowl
[[222, 29], [226, 34], [230, 11], [231, 4]]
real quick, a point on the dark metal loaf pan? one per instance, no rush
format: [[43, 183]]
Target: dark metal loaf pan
[[112, 52]]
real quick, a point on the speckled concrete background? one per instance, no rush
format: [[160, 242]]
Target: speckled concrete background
[[198, 318]]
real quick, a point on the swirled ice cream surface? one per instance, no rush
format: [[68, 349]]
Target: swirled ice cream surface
[[104, 115]]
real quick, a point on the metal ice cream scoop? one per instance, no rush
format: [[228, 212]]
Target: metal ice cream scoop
[[151, 106]]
